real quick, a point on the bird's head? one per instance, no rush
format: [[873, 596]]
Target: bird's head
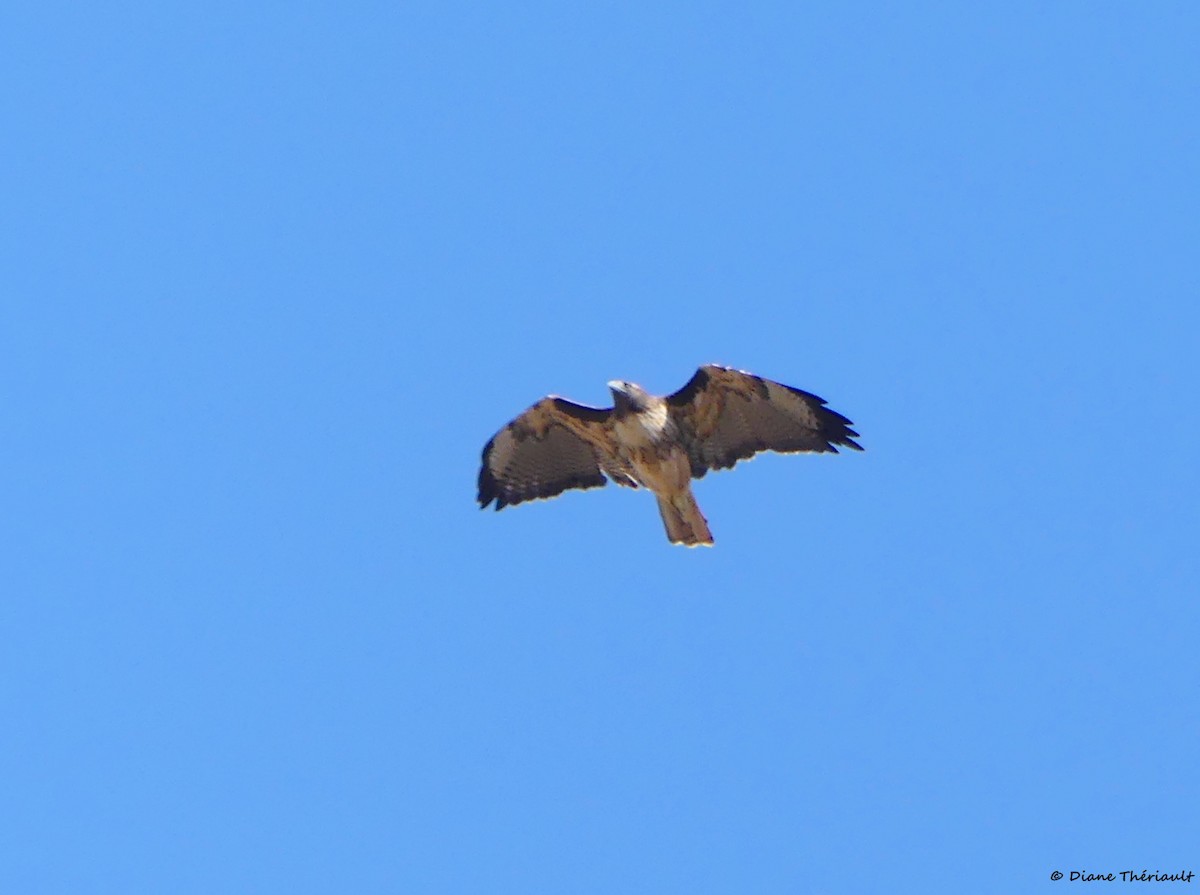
[[628, 397]]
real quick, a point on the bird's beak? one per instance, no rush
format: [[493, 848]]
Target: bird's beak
[[617, 386]]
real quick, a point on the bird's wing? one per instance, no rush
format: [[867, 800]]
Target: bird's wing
[[729, 415], [552, 446]]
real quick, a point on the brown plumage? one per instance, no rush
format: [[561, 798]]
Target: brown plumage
[[660, 443]]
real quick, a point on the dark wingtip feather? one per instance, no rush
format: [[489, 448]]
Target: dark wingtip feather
[[488, 487], [835, 428], [842, 435]]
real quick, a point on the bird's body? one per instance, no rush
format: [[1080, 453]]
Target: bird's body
[[657, 443], [650, 444]]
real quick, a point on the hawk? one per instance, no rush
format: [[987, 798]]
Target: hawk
[[658, 443]]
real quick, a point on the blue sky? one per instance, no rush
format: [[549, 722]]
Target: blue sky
[[272, 276]]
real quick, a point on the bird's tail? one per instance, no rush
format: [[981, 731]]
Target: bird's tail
[[685, 523]]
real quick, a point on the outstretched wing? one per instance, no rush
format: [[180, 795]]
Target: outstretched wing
[[728, 415], [552, 446]]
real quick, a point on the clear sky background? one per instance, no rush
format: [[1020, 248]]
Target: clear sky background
[[273, 274]]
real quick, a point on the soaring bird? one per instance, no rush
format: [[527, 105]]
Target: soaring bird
[[658, 443]]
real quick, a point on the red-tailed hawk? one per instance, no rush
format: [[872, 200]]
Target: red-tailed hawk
[[661, 444]]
